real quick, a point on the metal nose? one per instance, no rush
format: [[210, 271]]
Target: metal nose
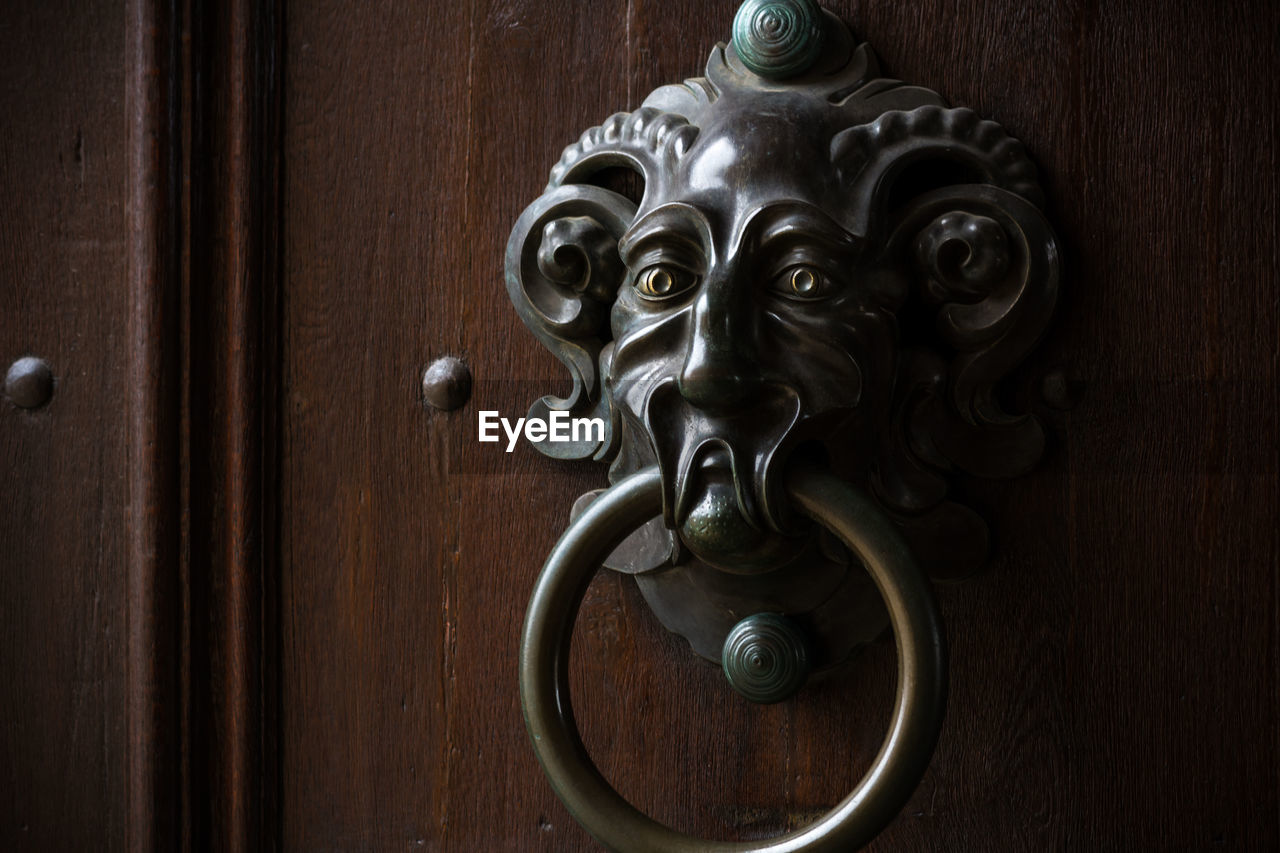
[[720, 372]]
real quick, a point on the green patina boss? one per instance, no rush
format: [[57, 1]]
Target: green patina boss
[[766, 658], [778, 38]]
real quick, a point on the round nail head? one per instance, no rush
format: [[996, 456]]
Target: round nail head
[[1061, 390], [29, 382], [446, 384]]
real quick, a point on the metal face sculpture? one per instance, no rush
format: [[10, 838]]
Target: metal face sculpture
[[825, 266]]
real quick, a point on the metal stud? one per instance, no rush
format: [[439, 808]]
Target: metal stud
[[446, 384], [766, 658], [29, 382], [1061, 390]]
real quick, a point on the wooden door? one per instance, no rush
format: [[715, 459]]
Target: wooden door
[[256, 595]]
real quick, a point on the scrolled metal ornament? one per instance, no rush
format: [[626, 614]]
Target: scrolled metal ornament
[[825, 267]]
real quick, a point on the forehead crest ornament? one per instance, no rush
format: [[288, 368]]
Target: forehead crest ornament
[[827, 272]]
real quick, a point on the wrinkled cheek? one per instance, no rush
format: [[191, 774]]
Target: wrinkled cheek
[[838, 365], [645, 355], [827, 382]]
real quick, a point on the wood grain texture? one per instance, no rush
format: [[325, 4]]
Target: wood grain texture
[[63, 166], [1114, 672], [350, 598], [372, 234], [1115, 669], [139, 185], [153, 523], [231, 398]]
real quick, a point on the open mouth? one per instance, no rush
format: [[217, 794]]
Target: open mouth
[[711, 470], [713, 463], [720, 520]]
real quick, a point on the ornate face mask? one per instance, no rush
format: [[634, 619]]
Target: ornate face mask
[[823, 264]]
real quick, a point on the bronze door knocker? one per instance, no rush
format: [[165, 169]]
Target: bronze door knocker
[[793, 337]]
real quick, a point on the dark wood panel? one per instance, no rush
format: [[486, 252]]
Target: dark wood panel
[[375, 270], [523, 109], [139, 178], [1114, 670], [62, 543]]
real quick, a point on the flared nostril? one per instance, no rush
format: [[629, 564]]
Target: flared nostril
[[717, 386]]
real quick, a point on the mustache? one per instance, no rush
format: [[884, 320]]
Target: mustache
[[696, 450]]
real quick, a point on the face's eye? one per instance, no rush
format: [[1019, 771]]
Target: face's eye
[[802, 282], [662, 281]]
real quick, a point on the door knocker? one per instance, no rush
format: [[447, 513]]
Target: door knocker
[[793, 337]]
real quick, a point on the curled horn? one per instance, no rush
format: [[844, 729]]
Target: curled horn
[[563, 268], [869, 157], [648, 140], [990, 267], [986, 264], [563, 273]]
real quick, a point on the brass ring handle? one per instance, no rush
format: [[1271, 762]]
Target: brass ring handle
[[918, 707]]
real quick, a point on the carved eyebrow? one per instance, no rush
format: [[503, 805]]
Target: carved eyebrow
[[793, 222], [676, 223]]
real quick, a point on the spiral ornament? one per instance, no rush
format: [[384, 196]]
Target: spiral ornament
[[778, 38], [766, 658]]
